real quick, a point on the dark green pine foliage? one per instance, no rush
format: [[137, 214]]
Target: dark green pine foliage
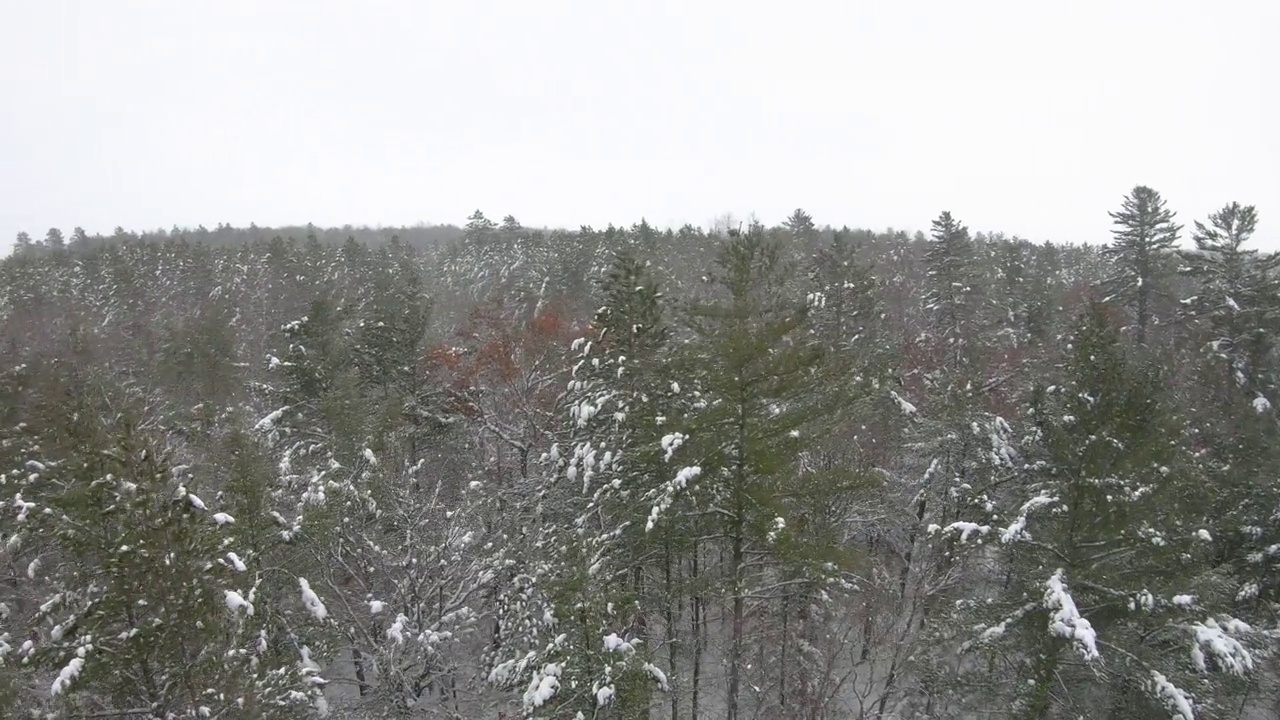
[[143, 605], [1141, 254], [950, 296], [1237, 304], [800, 225], [845, 302], [1235, 314], [1107, 558], [764, 383]]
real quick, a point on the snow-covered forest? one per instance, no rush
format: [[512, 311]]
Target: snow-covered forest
[[753, 471]]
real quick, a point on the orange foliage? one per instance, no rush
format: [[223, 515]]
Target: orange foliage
[[501, 360]]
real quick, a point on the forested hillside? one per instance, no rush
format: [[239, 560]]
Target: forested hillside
[[786, 472]]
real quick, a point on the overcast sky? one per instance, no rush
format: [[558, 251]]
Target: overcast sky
[[1034, 118]]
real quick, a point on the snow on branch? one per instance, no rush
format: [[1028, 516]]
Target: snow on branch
[[1174, 698], [1017, 529], [1227, 652], [1066, 620], [964, 528], [312, 601]]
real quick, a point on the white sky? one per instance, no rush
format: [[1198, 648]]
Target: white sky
[[1032, 117]]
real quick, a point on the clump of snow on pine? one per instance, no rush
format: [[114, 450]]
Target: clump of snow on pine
[[312, 601], [963, 527], [671, 442], [1204, 535], [223, 519], [668, 492], [1173, 698], [658, 676], [1017, 529], [1248, 591], [23, 506], [66, 676], [268, 423], [604, 695], [1227, 652], [779, 524], [543, 686], [1261, 404], [196, 502], [395, 633], [613, 643], [235, 601], [1066, 620], [1184, 601], [906, 407], [376, 606], [236, 562], [370, 457]]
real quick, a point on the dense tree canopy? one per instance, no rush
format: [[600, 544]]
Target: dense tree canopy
[[754, 472]]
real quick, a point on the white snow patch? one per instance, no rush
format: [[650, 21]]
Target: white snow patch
[[236, 562], [235, 601], [395, 633], [376, 606], [1228, 652], [543, 686], [223, 519], [312, 601], [613, 643], [1067, 621], [906, 407], [1017, 529], [658, 676], [66, 676], [1174, 699], [268, 423]]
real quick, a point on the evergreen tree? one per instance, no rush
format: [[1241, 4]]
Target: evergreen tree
[[1145, 235], [1107, 557], [53, 239], [1237, 303], [951, 298], [592, 517], [145, 606], [800, 225], [761, 376]]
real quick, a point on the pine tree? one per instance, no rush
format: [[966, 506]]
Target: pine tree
[[951, 297], [592, 518], [800, 225], [479, 228], [144, 606], [53, 239], [1145, 235], [1107, 556], [1236, 304], [761, 379], [1235, 311]]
